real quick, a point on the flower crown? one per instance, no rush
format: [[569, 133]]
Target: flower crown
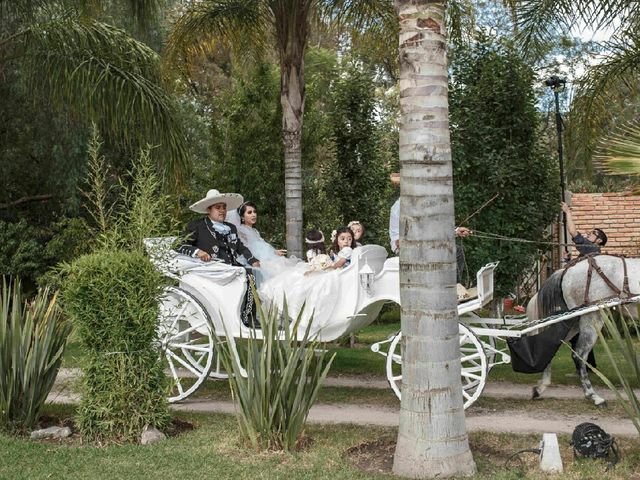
[[353, 222], [321, 239]]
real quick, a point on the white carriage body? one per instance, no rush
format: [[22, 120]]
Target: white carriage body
[[209, 298]]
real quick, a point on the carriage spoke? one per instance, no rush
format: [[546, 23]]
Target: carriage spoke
[[187, 331], [178, 315], [465, 394], [176, 378], [186, 365], [397, 377], [471, 375], [188, 346], [471, 357]]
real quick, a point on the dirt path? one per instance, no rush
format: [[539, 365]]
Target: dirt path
[[503, 421]]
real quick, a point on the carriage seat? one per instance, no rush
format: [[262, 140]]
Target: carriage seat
[[483, 290], [372, 255]]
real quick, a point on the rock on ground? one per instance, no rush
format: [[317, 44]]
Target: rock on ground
[[51, 432], [151, 435]]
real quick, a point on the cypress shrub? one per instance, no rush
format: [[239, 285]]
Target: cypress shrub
[[112, 297]]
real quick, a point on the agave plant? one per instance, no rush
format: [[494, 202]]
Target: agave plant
[[623, 340], [32, 339], [282, 378]]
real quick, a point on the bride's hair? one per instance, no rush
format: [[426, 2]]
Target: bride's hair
[[243, 208]]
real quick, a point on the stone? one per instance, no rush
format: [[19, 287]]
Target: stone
[[550, 459], [51, 432], [151, 435]]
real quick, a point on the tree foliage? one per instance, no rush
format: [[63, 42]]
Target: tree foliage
[[356, 178], [496, 151]]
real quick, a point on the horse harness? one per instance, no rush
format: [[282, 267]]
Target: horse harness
[[623, 293]]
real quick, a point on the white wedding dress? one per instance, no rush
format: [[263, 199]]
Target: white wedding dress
[[271, 264], [281, 278]]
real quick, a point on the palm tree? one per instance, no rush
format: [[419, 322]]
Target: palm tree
[[285, 24], [432, 439], [73, 59], [594, 118]]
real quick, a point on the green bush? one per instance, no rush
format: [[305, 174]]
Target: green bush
[[32, 338], [499, 160], [283, 379], [112, 297]]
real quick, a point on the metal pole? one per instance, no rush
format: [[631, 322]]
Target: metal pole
[[557, 84], [559, 129]]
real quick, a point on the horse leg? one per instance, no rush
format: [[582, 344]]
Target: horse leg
[[586, 341], [542, 385]]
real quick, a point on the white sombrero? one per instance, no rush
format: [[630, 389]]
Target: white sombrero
[[233, 200]]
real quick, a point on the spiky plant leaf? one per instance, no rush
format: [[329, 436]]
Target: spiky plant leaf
[[619, 153]]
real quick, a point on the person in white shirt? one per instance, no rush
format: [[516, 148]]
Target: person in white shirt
[[394, 228]]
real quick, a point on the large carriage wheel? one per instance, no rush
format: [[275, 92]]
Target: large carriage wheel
[[186, 341], [473, 362], [486, 340]]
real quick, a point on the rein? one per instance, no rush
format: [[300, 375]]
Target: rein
[[623, 293]]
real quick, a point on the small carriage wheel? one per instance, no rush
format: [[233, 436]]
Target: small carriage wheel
[[186, 341], [473, 365]]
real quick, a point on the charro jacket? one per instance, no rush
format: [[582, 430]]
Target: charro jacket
[[223, 247]]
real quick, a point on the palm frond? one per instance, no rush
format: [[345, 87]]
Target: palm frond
[[619, 152], [539, 21], [618, 14], [115, 79], [362, 14], [237, 24], [602, 93], [461, 20]]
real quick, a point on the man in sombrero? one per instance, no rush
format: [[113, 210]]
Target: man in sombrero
[[210, 238]]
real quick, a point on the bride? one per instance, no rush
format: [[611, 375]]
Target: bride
[[272, 261], [279, 278]]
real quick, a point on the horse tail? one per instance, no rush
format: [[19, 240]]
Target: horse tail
[[550, 297]]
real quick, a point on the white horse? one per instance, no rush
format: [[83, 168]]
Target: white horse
[[569, 288]]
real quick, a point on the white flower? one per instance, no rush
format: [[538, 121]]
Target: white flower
[[320, 262]]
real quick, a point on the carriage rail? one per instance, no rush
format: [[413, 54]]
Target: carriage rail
[[518, 327]]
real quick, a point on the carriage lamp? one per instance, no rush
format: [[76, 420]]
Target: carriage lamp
[[366, 277]]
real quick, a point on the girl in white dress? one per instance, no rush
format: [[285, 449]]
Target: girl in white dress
[[342, 248], [358, 231], [272, 261]]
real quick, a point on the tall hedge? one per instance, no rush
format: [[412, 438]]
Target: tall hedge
[[495, 134], [112, 297]]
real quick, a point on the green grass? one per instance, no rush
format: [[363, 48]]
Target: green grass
[[362, 361], [213, 450]]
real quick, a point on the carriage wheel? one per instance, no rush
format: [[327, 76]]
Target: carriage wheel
[[473, 362], [186, 342], [491, 341]]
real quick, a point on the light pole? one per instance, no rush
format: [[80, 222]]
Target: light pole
[[558, 84]]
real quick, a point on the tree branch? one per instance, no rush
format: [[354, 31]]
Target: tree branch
[[34, 198]]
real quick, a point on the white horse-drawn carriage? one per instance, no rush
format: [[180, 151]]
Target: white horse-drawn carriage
[[207, 301]]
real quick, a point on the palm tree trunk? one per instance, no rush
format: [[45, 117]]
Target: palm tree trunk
[[432, 439], [292, 100]]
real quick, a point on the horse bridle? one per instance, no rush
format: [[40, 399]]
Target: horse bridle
[[623, 293]]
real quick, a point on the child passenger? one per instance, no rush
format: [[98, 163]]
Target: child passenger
[[315, 244], [343, 245], [358, 231]]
